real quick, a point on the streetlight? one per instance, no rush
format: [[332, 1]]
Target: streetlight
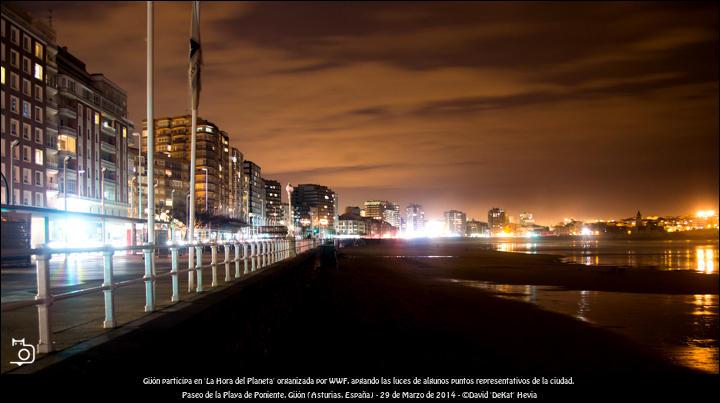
[[291, 217], [172, 220], [139, 173], [12, 170], [65, 162], [102, 200]]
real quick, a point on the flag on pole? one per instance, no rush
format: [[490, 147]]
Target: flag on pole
[[195, 55]]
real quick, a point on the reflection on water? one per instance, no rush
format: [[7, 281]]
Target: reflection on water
[[682, 327], [700, 256]]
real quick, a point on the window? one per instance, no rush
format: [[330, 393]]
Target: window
[[16, 196], [66, 143], [14, 81], [27, 177], [38, 178], [16, 174], [38, 92], [26, 131], [26, 65], [3, 51], [38, 114], [38, 156], [38, 135], [26, 86], [38, 71], [14, 127], [3, 73], [14, 58], [27, 154], [38, 199], [26, 110], [14, 101], [97, 118], [27, 198], [14, 35], [26, 42], [38, 50]]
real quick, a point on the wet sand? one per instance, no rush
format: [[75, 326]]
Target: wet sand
[[469, 260]]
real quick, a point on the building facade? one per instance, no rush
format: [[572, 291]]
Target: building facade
[[273, 200], [455, 222], [496, 220], [254, 193], [28, 139], [93, 131], [314, 208], [414, 219], [476, 228], [219, 173]]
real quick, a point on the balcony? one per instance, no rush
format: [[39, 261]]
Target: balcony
[[68, 130], [51, 105], [68, 112], [108, 129]]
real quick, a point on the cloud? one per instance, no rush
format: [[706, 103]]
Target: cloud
[[556, 108]]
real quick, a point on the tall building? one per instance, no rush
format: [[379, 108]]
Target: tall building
[[254, 193], [496, 220], [526, 219], [314, 208], [392, 214], [476, 228], [93, 131], [219, 167], [455, 222], [354, 210], [383, 210], [414, 218], [374, 209], [273, 206], [29, 134]]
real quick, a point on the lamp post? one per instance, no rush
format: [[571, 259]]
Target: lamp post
[[65, 162], [102, 200], [291, 219], [172, 221], [139, 173], [12, 171]]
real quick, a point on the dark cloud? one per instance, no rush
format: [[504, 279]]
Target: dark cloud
[[585, 109]]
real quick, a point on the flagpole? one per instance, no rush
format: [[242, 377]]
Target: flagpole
[[150, 255], [194, 100]]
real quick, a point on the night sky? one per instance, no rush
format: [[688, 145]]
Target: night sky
[[591, 110]]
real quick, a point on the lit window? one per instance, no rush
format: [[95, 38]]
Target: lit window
[[38, 71], [38, 50], [38, 157], [97, 118], [3, 75]]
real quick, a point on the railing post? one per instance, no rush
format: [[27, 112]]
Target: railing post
[[227, 261], [263, 253], [198, 267], [213, 264], [109, 296], [191, 263], [174, 276], [43, 293], [237, 259], [149, 278], [253, 254], [246, 248]]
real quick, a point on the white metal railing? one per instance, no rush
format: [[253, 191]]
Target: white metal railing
[[256, 254]]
